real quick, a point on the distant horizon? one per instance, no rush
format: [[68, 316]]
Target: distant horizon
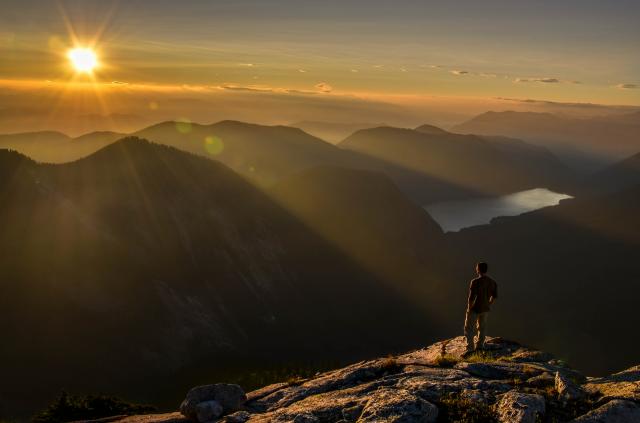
[[284, 61], [350, 111]]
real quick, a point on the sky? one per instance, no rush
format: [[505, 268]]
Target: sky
[[462, 54]]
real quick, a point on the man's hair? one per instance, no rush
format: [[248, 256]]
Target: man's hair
[[482, 267]]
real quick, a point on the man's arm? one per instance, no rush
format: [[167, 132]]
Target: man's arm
[[472, 295], [494, 293]]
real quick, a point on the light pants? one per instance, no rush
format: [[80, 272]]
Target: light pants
[[479, 320]]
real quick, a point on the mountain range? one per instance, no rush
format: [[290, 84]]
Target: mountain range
[[476, 165], [151, 266], [587, 144], [334, 132], [435, 166], [56, 147]]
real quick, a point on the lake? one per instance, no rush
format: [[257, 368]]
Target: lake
[[455, 215]]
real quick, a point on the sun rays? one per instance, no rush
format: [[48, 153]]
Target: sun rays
[[83, 83]]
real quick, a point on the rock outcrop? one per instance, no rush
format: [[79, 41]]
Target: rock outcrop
[[615, 411], [518, 407], [505, 383], [567, 389], [208, 402], [622, 385]]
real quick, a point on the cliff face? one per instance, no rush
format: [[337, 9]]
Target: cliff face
[[506, 383]]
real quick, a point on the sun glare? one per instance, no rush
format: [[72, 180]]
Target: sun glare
[[84, 60]]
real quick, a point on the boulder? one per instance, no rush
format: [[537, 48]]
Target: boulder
[[567, 390], [622, 385], [208, 411], [565, 371], [616, 411], [229, 397], [516, 407], [398, 406]]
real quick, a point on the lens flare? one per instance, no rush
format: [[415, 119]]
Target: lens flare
[[183, 125], [213, 145]]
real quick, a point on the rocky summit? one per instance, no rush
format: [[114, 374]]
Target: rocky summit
[[506, 382]]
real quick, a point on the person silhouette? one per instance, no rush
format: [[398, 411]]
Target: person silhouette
[[483, 291]]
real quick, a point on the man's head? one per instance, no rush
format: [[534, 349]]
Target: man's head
[[481, 268]]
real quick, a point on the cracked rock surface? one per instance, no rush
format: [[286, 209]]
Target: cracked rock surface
[[507, 382]]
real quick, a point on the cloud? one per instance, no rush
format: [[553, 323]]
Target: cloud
[[294, 91], [627, 86], [543, 80], [302, 71], [519, 100], [324, 87], [245, 88], [272, 90], [458, 72]]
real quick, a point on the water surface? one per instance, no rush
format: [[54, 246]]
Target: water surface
[[455, 215]]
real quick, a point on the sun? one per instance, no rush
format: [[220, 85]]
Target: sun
[[83, 60]]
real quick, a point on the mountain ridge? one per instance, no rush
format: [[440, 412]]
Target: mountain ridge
[[620, 175], [471, 163], [169, 262], [587, 144], [268, 154]]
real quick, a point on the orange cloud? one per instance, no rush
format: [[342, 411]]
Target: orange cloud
[[324, 87]]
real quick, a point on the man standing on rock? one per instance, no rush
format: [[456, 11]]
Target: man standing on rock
[[483, 291]]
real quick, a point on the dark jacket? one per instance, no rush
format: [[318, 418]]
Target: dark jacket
[[480, 290]]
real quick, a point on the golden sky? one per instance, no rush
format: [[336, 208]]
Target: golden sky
[[398, 54]]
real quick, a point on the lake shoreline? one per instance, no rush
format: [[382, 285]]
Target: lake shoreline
[[456, 215]]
